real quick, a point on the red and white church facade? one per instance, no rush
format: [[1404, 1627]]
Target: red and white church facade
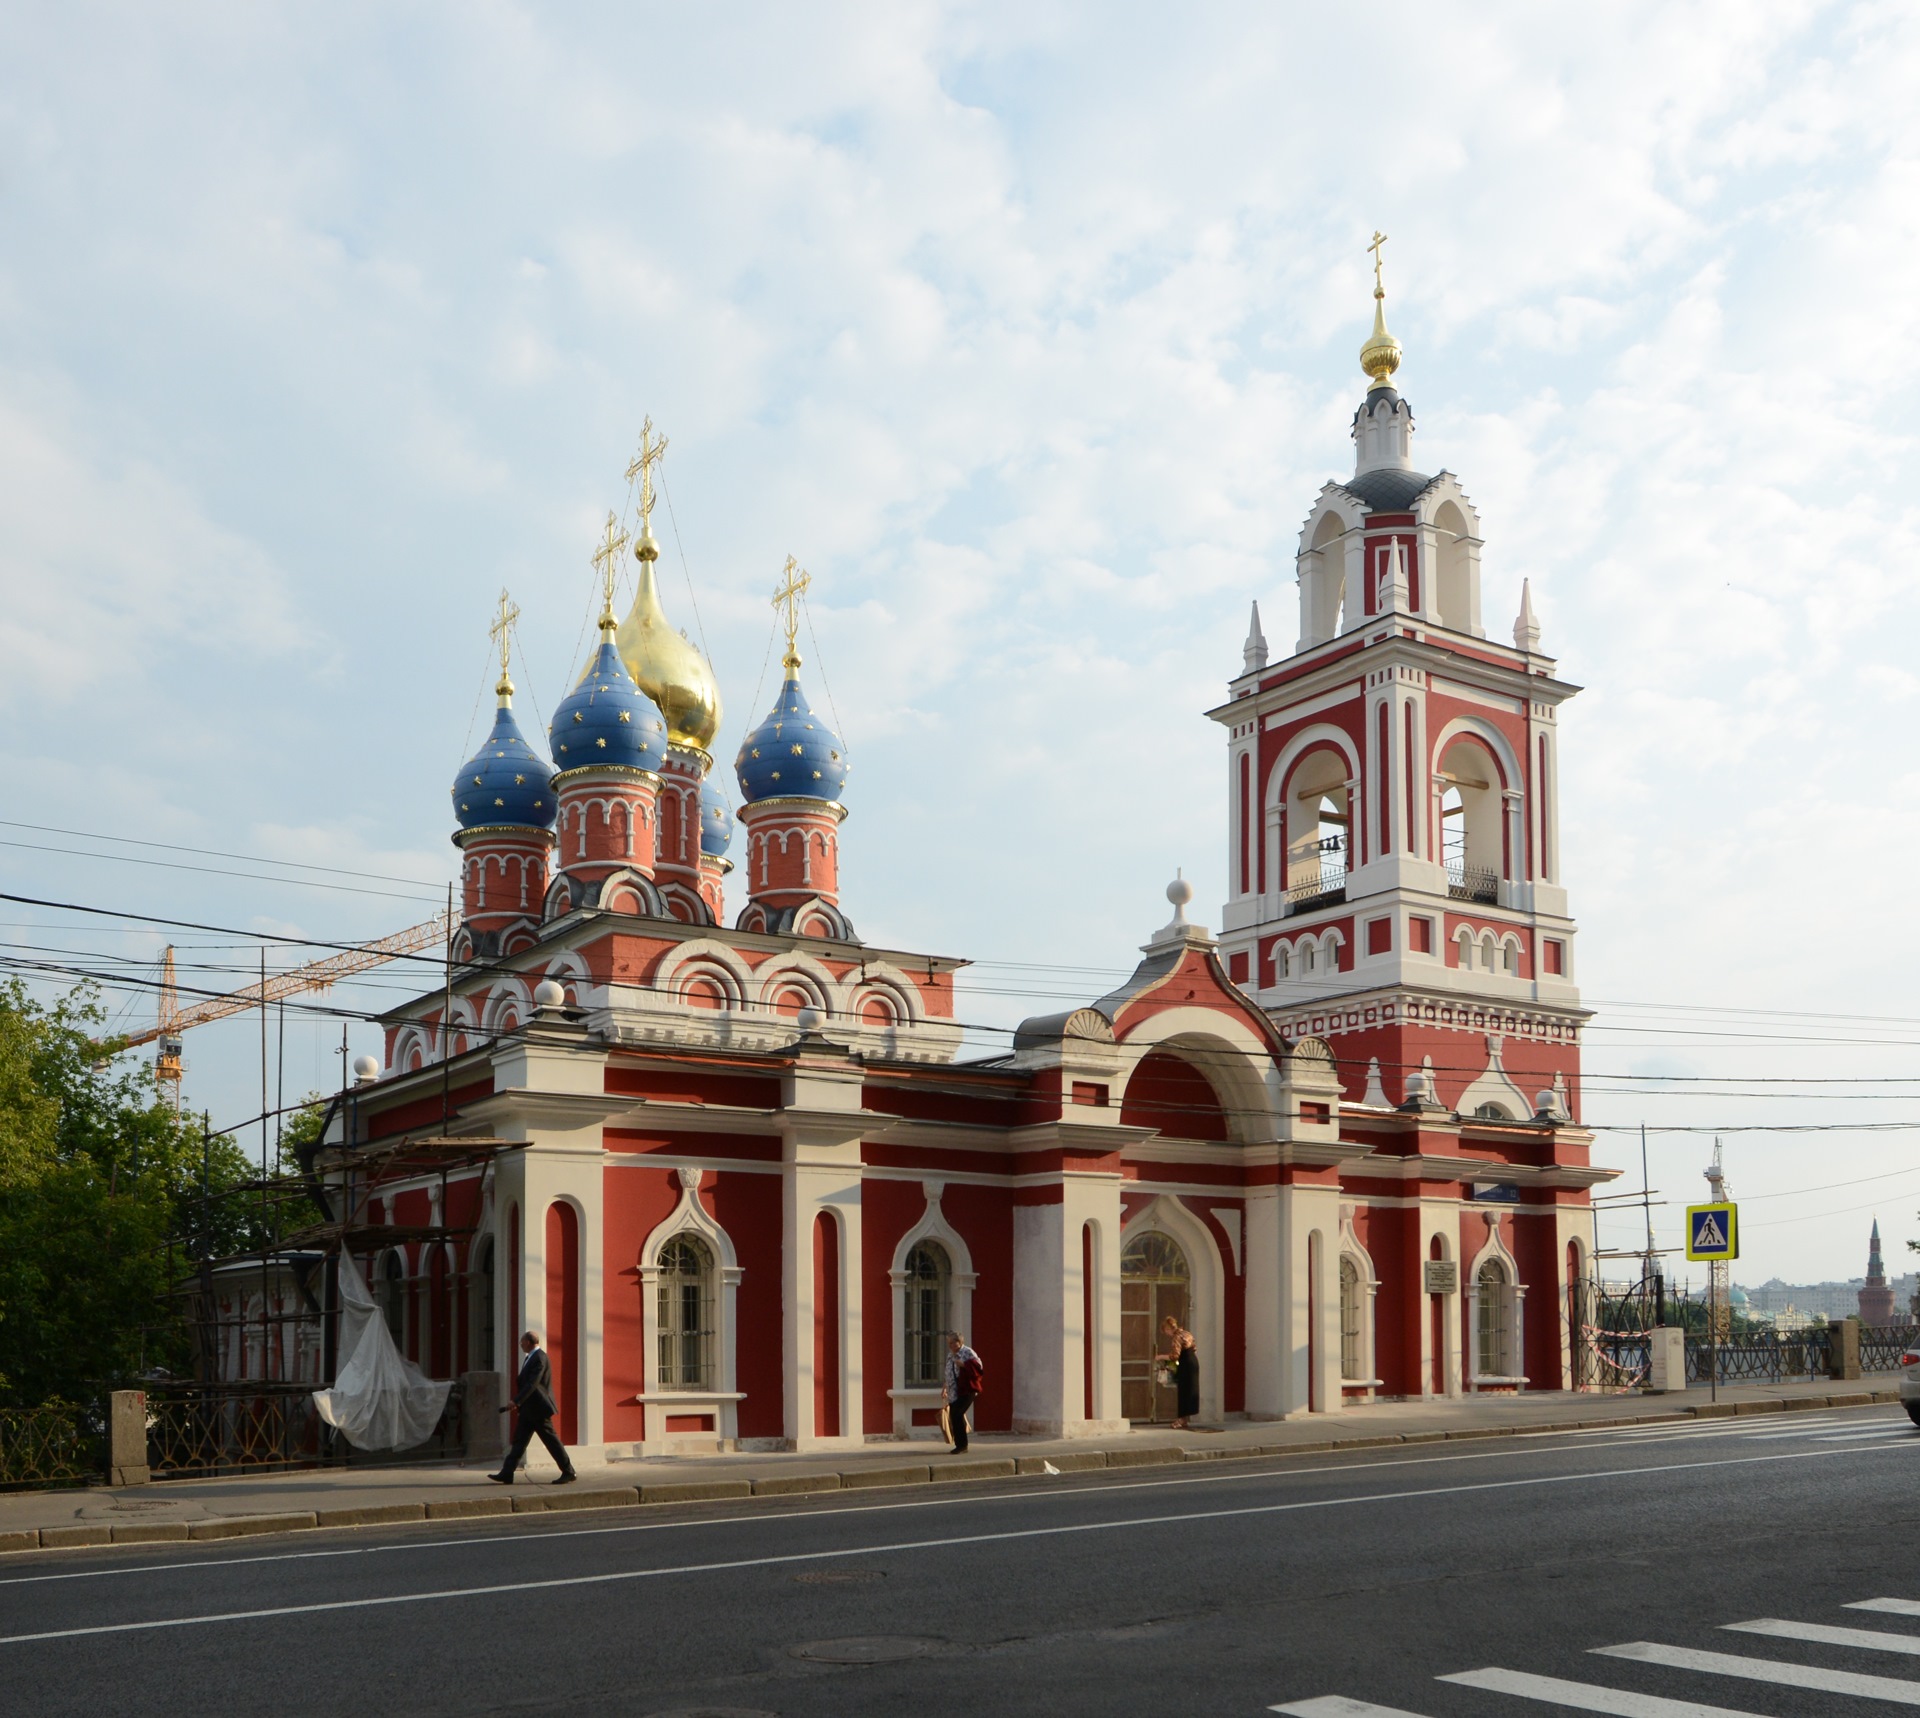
[[744, 1178]]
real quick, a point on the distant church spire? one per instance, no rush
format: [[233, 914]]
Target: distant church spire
[[1526, 629], [1253, 654]]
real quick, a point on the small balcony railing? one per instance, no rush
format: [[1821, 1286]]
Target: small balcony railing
[[1472, 883], [1328, 889]]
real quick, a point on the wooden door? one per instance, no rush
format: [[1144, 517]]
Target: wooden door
[[1155, 1284]]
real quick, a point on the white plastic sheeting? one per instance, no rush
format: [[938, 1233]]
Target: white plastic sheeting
[[380, 1399]]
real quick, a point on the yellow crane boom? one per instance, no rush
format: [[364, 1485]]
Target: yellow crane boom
[[171, 1019]]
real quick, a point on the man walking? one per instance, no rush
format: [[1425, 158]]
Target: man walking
[[533, 1396], [962, 1379]]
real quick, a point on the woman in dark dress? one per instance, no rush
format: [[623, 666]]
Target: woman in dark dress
[[1184, 1358]]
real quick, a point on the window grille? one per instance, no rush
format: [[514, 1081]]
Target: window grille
[[1495, 1314], [1352, 1355], [686, 1314], [929, 1280]]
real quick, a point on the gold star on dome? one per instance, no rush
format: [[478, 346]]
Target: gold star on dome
[[625, 716], [601, 742], [519, 781], [756, 751], [578, 717], [796, 751], [499, 802], [776, 775]]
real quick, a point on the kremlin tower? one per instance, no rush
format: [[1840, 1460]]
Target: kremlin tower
[[1876, 1295]]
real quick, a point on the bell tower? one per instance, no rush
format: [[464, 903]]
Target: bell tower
[[1394, 860]]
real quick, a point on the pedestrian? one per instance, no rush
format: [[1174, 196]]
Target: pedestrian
[[962, 1376], [533, 1396], [1183, 1358]]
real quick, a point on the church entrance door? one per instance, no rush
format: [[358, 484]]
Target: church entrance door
[[1155, 1284]]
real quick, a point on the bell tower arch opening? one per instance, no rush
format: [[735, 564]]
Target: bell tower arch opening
[[1456, 570], [1472, 820]]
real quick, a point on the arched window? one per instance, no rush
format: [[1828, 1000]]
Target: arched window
[[928, 1318], [1282, 968], [1472, 822], [686, 1314], [1353, 1357], [1491, 1112], [393, 1298], [1495, 1321], [1318, 818]]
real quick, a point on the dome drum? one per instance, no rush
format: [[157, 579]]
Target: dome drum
[[792, 851]]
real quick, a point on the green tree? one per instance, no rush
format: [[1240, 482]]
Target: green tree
[[105, 1198]]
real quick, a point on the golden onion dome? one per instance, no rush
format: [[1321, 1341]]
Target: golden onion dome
[[1381, 355], [666, 664]]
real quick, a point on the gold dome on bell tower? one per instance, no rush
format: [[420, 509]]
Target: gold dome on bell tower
[[1381, 355], [664, 662]]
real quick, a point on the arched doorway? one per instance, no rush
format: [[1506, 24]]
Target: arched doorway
[[1155, 1283]]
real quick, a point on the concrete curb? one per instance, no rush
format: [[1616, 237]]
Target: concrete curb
[[545, 1499]]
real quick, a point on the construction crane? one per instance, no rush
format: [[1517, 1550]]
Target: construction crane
[[1719, 1308], [171, 1020]]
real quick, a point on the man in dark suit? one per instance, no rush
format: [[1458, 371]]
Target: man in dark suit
[[533, 1397]]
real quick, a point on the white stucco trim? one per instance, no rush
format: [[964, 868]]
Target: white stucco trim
[[722, 1397]]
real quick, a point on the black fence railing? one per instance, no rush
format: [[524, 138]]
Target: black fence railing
[[1881, 1345], [55, 1444], [1472, 883], [194, 1430], [1760, 1356]]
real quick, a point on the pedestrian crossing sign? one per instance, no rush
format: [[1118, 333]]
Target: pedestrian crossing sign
[[1713, 1231]]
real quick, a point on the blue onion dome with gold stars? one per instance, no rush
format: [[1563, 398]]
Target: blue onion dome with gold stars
[[504, 785], [792, 754], [607, 722], [716, 819]]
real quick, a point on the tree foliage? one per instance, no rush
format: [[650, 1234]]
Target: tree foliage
[[105, 1200]]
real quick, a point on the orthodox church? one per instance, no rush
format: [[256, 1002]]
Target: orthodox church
[[732, 1160]]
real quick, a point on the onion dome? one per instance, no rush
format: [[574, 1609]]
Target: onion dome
[[665, 663], [792, 754], [1381, 354], [606, 722], [504, 784], [716, 819]]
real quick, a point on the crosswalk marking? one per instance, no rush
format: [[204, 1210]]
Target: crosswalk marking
[[1876, 1640], [1890, 1688], [1890, 1607], [1339, 1706], [1587, 1696]]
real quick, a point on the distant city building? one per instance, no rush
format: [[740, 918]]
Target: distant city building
[[1788, 1303], [1876, 1297]]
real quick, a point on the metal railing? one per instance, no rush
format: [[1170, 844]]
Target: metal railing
[[1881, 1345], [199, 1429], [1472, 883], [1760, 1356], [57, 1443], [1327, 889]]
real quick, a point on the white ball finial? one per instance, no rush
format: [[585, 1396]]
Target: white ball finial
[[1545, 1104], [809, 1020], [1179, 892], [547, 994], [1416, 1087], [365, 1069]]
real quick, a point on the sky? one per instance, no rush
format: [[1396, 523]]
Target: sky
[[1031, 331]]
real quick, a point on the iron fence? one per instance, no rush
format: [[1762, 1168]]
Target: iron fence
[[1472, 882], [1881, 1345], [57, 1443], [194, 1430], [1760, 1356]]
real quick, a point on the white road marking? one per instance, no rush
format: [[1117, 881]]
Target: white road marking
[[1339, 1706], [1891, 1607], [1237, 1474], [1586, 1696], [1008, 1536], [1877, 1640], [1891, 1688]]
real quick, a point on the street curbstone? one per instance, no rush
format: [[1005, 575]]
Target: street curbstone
[[25, 1541], [370, 1515], [1799, 1404], [1853, 1399], [1001, 1469], [795, 1484], [460, 1508], [149, 1532], [1369, 1443], [62, 1538], [1715, 1410], [1144, 1457], [696, 1491], [1756, 1407], [1460, 1432], [246, 1526], [1079, 1461], [1423, 1437], [859, 1479], [1206, 1454], [618, 1497]]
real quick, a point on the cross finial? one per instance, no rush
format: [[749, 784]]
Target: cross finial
[[605, 558], [1379, 239], [641, 472], [794, 580], [501, 632]]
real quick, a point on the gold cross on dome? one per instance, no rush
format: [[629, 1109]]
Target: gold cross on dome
[[501, 633], [1379, 239], [794, 582], [641, 470], [605, 559]]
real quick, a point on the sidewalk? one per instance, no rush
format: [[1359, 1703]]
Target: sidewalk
[[244, 1505]]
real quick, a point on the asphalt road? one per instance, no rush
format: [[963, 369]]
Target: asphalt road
[[1439, 1580]]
